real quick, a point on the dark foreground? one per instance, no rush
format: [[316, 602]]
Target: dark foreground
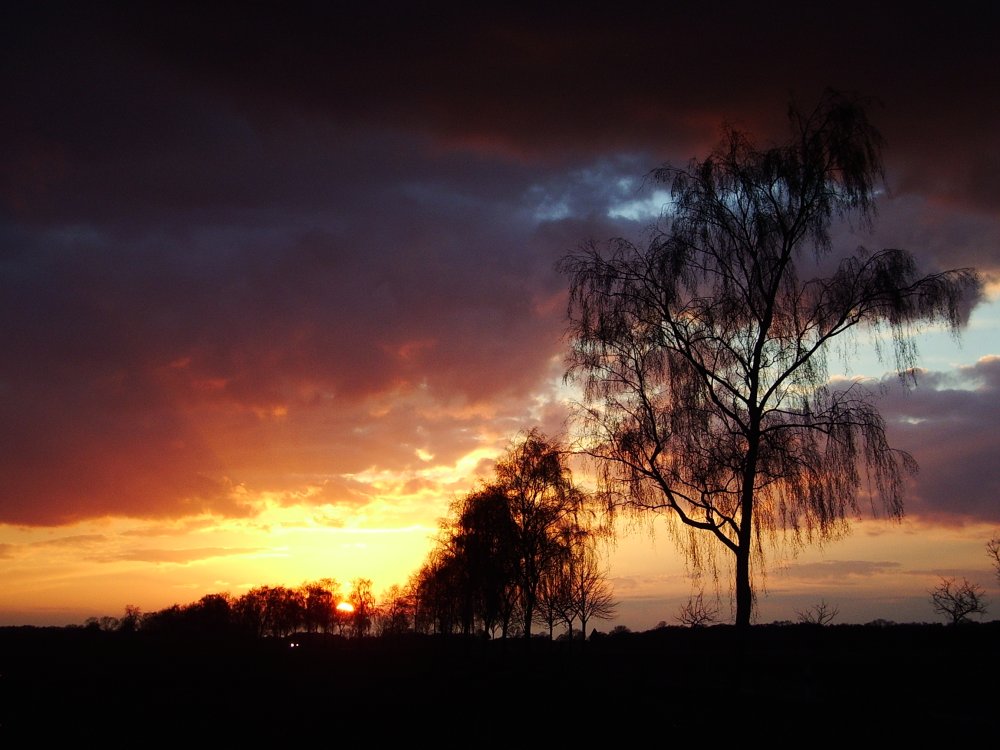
[[784, 686]]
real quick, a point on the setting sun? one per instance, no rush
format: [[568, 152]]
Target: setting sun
[[346, 608]]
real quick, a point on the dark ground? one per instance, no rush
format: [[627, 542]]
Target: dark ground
[[783, 686]]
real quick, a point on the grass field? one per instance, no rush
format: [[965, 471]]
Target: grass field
[[784, 686]]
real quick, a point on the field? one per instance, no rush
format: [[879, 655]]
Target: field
[[785, 686]]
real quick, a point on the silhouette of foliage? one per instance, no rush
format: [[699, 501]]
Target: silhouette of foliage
[[958, 600], [993, 550], [362, 599], [818, 614], [696, 613], [703, 355], [520, 549]]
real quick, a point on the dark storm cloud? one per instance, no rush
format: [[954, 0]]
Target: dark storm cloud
[[259, 244]]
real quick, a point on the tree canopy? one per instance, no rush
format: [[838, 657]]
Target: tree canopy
[[702, 354]]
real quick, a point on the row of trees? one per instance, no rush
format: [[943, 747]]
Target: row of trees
[[522, 549], [314, 607], [473, 581]]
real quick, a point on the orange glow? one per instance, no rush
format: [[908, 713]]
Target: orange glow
[[346, 608]]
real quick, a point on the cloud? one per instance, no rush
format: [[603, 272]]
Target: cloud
[[840, 570], [948, 423], [76, 540], [265, 261], [176, 556]]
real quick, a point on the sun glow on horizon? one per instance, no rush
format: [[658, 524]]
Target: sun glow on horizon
[[99, 567]]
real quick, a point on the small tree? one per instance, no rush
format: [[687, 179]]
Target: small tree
[[696, 613], [958, 600], [819, 614], [362, 599], [993, 549], [592, 595]]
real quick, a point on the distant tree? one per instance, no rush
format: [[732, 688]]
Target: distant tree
[[697, 613], [250, 612], [210, 615], [484, 539], [394, 613], [285, 610], [319, 602], [500, 555], [993, 550], [703, 355], [818, 614], [958, 600], [554, 604], [105, 623], [536, 480], [575, 586], [269, 610], [592, 597], [435, 608], [170, 620], [362, 598], [881, 623], [131, 621]]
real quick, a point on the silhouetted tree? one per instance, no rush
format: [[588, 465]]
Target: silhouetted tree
[[285, 610], [958, 600], [250, 610], [503, 545], [434, 610], [362, 598], [540, 492], [696, 613], [105, 623], [591, 595], [210, 615], [319, 602], [170, 620], [554, 602], [576, 587], [395, 613], [131, 621], [484, 539], [818, 614], [993, 550], [269, 610], [703, 355]]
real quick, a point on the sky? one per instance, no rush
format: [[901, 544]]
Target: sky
[[279, 282]]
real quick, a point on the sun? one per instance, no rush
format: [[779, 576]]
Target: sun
[[345, 608]]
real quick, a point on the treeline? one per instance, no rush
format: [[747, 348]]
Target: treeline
[[260, 612], [523, 549]]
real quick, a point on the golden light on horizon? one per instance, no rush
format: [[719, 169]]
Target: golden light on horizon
[[345, 608]]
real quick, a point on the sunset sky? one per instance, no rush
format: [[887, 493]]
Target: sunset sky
[[278, 282]]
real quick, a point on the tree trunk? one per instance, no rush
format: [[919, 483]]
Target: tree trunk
[[744, 542], [744, 593]]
